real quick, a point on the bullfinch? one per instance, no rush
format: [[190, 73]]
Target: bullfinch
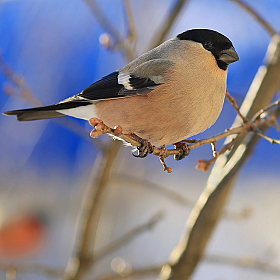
[[169, 93]]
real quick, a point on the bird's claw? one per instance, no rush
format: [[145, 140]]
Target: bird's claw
[[145, 148], [184, 150]]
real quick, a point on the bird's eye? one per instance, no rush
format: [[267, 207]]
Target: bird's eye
[[208, 45]]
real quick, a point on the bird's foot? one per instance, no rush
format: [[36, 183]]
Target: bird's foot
[[145, 148], [184, 149]]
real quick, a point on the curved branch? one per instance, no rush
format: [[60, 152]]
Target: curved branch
[[269, 28]]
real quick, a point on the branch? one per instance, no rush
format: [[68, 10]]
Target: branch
[[126, 238], [140, 272], [162, 153], [269, 139], [31, 268], [235, 106], [169, 21], [135, 181], [274, 122], [131, 40], [104, 20], [19, 81], [244, 262], [210, 205], [91, 209], [269, 28], [266, 109], [119, 41], [206, 164]]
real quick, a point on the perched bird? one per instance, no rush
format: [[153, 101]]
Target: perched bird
[[170, 93]]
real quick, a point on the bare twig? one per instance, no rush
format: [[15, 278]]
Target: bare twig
[[104, 20], [274, 122], [266, 109], [236, 107], [119, 40], [131, 40], [135, 181], [214, 149], [174, 196], [126, 238], [206, 164], [90, 215], [269, 139], [245, 213], [140, 272], [32, 268], [162, 153], [164, 30], [19, 81], [270, 29], [246, 262]]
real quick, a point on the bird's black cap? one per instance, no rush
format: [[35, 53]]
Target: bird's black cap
[[214, 42], [204, 35]]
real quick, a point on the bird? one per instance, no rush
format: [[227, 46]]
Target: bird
[[168, 94]]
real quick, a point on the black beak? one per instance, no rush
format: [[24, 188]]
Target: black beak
[[229, 56]]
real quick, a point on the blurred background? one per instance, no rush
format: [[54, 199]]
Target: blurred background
[[55, 49]]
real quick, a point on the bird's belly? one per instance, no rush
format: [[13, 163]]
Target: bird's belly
[[159, 120]]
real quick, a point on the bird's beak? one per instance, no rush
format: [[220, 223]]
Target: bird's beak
[[229, 55]]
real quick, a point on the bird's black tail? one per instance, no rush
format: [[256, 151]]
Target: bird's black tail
[[45, 112]]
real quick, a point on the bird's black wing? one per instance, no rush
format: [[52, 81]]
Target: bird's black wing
[[112, 86]]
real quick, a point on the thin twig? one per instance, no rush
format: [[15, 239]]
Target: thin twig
[[104, 20], [91, 213], [119, 40], [265, 109], [32, 268], [269, 139], [159, 189], [236, 107], [162, 153], [126, 238], [206, 164], [140, 272], [214, 149], [244, 262], [19, 81], [174, 196], [169, 21], [274, 122], [270, 29], [131, 40], [245, 213]]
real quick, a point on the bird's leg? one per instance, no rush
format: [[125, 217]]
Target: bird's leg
[[145, 148], [184, 148]]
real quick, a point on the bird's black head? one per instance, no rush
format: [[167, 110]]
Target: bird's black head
[[218, 44]]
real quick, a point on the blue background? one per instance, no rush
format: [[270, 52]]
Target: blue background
[[54, 46]]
